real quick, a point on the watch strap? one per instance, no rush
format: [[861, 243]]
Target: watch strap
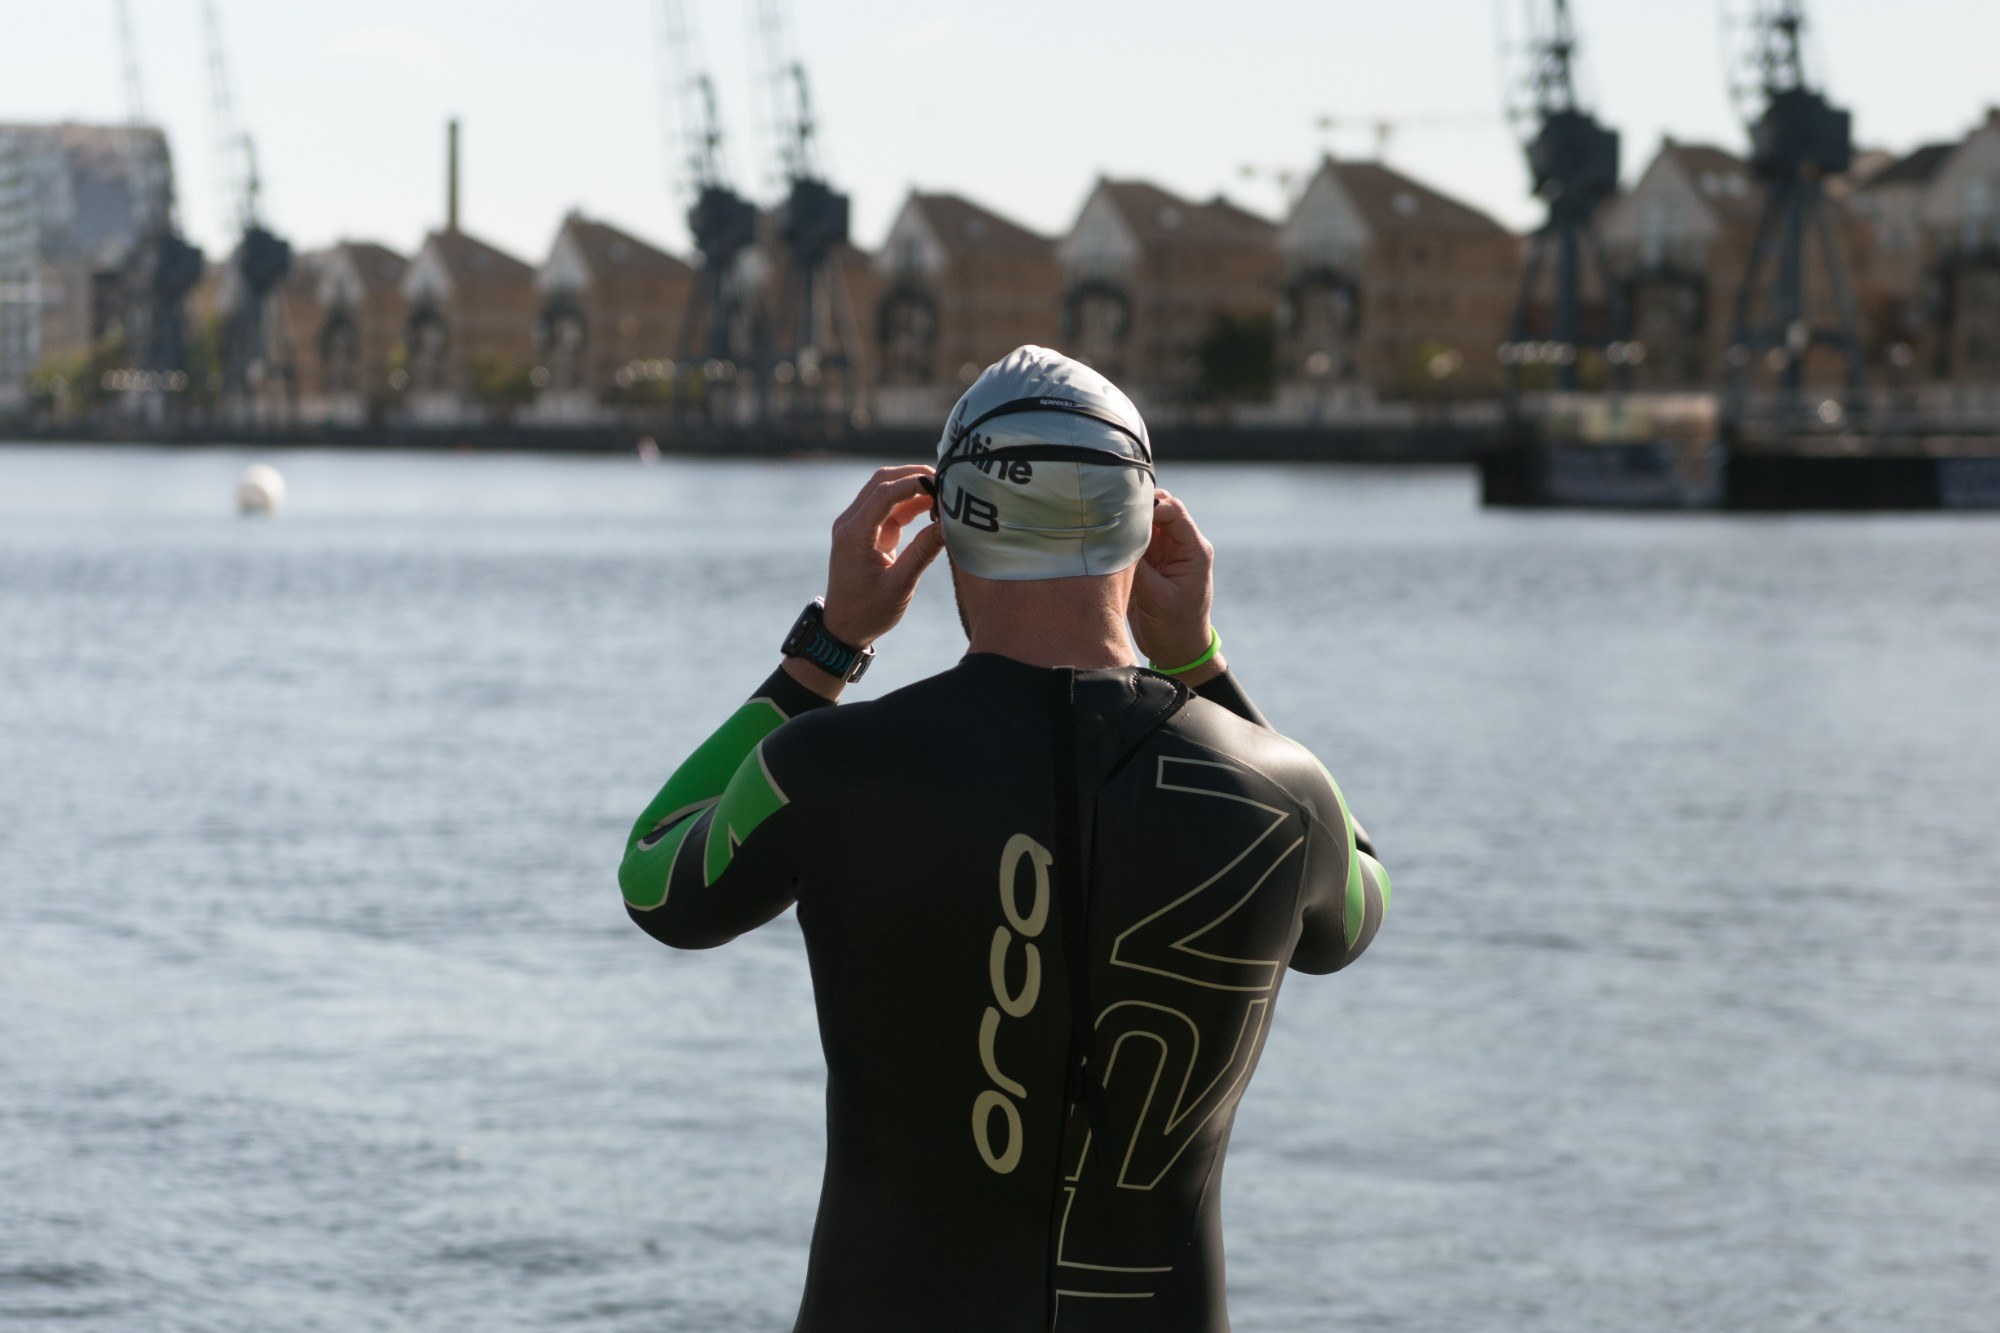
[[809, 639]]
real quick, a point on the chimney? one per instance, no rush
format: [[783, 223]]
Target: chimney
[[451, 175]]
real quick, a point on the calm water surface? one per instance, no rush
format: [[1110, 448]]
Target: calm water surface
[[318, 1011]]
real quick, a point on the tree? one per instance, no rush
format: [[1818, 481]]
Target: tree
[[500, 383], [1239, 358]]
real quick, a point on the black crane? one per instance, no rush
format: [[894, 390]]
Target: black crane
[[1573, 159], [814, 317], [721, 333], [254, 356], [1797, 140], [160, 269]]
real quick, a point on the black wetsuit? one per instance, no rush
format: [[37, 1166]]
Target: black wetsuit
[[1047, 913]]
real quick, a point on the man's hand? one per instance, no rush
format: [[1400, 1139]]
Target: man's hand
[[1172, 590], [868, 585]]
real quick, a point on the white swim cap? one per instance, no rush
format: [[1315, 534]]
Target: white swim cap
[[1044, 472]]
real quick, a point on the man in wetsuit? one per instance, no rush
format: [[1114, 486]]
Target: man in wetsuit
[[1047, 896]]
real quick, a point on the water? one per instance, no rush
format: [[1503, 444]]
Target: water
[[318, 1009]]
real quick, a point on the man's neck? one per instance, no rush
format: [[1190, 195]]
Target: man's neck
[[1056, 626]]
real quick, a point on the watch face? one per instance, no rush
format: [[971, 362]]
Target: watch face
[[802, 629], [810, 640]]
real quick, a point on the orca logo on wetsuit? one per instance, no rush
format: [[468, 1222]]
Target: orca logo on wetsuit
[[1030, 924]]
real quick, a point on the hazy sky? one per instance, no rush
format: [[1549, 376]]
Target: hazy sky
[[1020, 106]]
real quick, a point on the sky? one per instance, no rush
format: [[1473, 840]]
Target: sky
[[1020, 107]]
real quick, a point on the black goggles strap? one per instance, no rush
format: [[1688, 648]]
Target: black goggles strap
[[1076, 453]]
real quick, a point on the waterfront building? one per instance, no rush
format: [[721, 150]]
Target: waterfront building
[[961, 286], [835, 381], [1961, 220], [469, 336], [612, 307], [1392, 291], [1678, 241], [299, 318], [1897, 309], [348, 315], [67, 219], [1150, 277]]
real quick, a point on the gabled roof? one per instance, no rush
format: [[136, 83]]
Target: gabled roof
[[1160, 220], [1915, 168], [1391, 202], [966, 229], [377, 266], [608, 250], [1723, 179], [468, 259]]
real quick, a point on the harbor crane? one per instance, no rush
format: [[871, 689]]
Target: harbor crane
[[253, 331], [161, 268], [1797, 140], [721, 332], [814, 314], [1573, 159]]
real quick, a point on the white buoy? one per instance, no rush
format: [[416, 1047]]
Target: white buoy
[[260, 491]]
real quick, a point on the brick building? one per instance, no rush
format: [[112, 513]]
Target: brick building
[[1897, 306], [469, 336], [1392, 290], [1678, 243], [1147, 275], [961, 287], [844, 292], [349, 318], [1961, 219], [610, 303]]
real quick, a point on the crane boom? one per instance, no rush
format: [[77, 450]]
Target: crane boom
[[236, 153], [1573, 162], [792, 121], [719, 328], [146, 177], [1798, 140], [688, 110]]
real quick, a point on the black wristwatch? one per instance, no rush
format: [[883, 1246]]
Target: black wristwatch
[[810, 640]]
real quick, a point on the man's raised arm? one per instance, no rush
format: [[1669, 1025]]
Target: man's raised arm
[[691, 875], [1172, 596]]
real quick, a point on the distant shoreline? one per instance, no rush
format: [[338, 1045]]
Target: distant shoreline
[[1399, 444]]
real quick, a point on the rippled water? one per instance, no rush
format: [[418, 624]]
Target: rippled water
[[317, 1007]]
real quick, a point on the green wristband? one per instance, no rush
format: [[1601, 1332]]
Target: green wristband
[[1214, 647]]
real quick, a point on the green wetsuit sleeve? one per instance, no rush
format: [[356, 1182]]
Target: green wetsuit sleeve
[[685, 844], [1347, 890]]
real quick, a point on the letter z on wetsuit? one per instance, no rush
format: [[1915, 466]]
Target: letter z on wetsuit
[[1047, 914]]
